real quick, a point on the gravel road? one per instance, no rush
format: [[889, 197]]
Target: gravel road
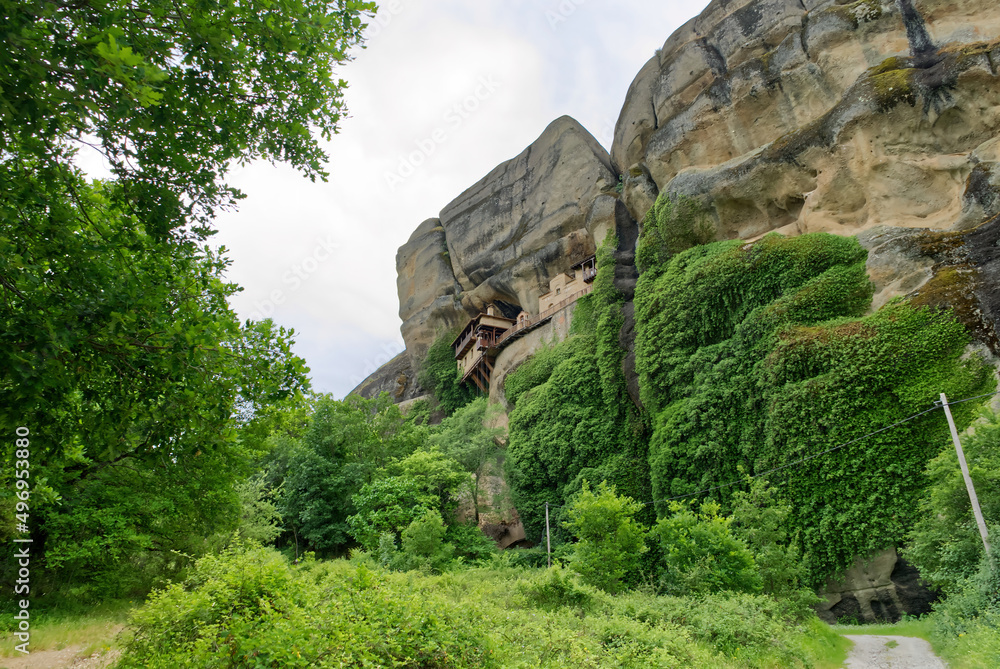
[[891, 652]]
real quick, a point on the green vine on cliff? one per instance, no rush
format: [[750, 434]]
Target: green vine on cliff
[[753, 355], [572, 420], [439, 374]]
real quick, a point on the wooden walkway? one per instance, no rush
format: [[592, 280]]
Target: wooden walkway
[[516, 333], [482, 368]]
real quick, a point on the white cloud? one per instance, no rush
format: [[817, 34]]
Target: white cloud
[[426, 58]]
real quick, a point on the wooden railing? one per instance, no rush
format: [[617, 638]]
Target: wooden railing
[[542, 317], [465, 340]]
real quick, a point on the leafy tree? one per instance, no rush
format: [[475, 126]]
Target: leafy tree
[[609, 540], [386, 507], [436, 474], [259, 516], [366, 435], [945, 544], [423, 542], [466, 438], [346, 444], [117, 348], [171, 93], [423, 481], [760, 519], [701, 555], [313, 497], [127, 367]]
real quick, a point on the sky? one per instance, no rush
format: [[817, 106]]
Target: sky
[[444, 91]]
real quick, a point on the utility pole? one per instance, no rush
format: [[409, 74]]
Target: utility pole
[[548, 534], [965, 473]]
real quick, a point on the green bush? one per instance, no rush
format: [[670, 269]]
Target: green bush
[[423, 542], [556, 587], [471, 545], [244, 609], [249, 608], [609, 540], [760, 519], [701, 555], [424, 480]]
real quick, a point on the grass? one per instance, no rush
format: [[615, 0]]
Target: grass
[[93, 630], [827, 648], [915, 627]]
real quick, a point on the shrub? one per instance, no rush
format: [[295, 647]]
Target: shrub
[[556, 587], [609, 540], [701, 555], [423, 542], [760, 519], [251, 609]]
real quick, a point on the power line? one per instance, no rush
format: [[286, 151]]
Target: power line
[[937, 405], [795, 463]]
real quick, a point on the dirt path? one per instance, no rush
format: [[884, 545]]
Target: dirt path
[[65, 658], [891, 652]]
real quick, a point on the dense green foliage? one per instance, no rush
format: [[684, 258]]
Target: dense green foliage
[[422, 482], [609, 542], [945, 543], [468, 437], [439, 374], [345, 446], [118, 351], [760, 519], [124, 362], [573, 420], [251, 607], [171, 93], [701, 555], [751, 356], [673, 224]]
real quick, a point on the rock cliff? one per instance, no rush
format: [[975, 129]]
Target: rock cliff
[[787, 115], [808, 115], [506, 236], [875, 118]]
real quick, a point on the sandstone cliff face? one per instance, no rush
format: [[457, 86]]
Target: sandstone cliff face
[[819, 115], [395, 377], [506, 236]]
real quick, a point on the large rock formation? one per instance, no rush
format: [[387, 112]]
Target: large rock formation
[[813, 115], [395, 377], [506, 236], [876, 118], [879, 589]]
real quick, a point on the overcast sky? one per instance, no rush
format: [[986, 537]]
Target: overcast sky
[[444, 92]]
